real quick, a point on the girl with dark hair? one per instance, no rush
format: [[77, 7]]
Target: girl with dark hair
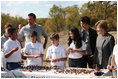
[[76, 48]]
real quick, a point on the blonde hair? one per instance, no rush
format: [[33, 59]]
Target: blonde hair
[[102, 24]]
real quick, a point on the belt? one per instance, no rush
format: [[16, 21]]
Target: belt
[[13, 62]]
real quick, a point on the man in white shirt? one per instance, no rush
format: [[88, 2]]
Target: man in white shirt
[[56, 53], [12, 50]]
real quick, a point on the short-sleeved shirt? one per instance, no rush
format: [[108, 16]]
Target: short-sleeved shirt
[[56, 52], [27, 30], [115, 52], [8, 46], [76, 55], [34, 49], [3, 40]]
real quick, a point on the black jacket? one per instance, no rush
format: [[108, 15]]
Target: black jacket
[[92, 37]]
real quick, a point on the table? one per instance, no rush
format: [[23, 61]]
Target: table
[[7, 74], [51, 74]]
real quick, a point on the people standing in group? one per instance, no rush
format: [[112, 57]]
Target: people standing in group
[[104, 45], [76, 48], [4, 38], [34, 51], [89, 36], [56, 53], [12, 50], [30, 27]]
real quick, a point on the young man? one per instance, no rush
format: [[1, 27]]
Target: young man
[[30, 27], [12, 50], [89, 37], [56, 53]]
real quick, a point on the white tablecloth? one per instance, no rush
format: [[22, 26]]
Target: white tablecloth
[[7, 74], [52, 74]]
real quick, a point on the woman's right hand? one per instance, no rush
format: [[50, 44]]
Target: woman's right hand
[[68, 50]]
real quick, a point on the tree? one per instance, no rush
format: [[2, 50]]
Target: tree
[[98, 10], [72, 17], [57, 17], [15, 21]]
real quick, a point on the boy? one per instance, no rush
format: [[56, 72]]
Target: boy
[[56, 53], [34, 50], [12, 50]]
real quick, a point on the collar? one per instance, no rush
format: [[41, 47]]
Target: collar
[[31, 27], [105, 34], [56, 46], [11, 39], [83, 31]]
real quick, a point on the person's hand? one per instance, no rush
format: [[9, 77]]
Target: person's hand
[[92, 56], [108, 67], [94, 66], [113, 68], [69, 49], [15, 49], [73, 51], [97, 69], [36, 56], [54, 60]]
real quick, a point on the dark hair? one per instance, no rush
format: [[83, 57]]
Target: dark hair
[[77, 38], [34, 33], [32, 14], [11, 31], [102, 24], [54, 36], [85, 19]]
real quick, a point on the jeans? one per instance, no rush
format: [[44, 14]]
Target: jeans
[[76, 62], [115, 73], [12, 66]]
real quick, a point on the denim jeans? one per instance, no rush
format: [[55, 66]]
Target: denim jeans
[[12, 66], [76, 62], [115, 73]]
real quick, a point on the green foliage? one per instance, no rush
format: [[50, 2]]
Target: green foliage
[[15, 21], [72, 17], [98, 10], [57, 19], [61, 19]]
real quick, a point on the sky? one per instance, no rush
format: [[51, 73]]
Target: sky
[[40, 8]]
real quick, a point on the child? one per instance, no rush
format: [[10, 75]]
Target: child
[[56, 53], [34, 51], [76, 48], [12, 50]]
